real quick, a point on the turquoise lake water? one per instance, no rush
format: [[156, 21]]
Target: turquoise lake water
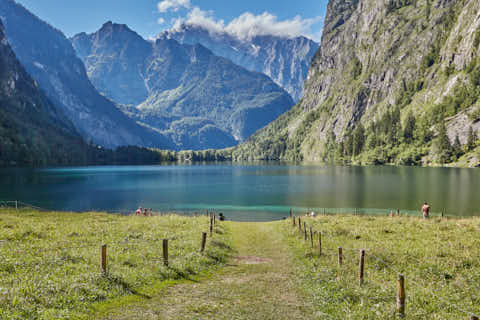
[[244, 192]]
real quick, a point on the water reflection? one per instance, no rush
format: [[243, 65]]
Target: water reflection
[[248, 192]]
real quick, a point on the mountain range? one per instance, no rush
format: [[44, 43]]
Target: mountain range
[[393, 82], [33, 131], [49, 58], [185, 92], [285, 60]]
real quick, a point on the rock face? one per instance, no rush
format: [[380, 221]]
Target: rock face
[[51, 61], [285, 60], [383, 60], [33, 132], [197, 99]]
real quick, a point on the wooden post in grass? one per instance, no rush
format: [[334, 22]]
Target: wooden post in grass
[[165, 252], [340, 258], [290, 212], [401, 295], [319, 243], [299, 224], [104, 258], [214, 219], [311, 236], [211, 226], [361, 266], [204, 241], [293, 220], [305, 230]]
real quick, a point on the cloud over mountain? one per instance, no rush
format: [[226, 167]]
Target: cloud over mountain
[[172, 5], [244, 27]]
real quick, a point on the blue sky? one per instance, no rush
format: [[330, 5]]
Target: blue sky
[[149, 17]]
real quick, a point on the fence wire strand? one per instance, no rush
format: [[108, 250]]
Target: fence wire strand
[[368, 254]]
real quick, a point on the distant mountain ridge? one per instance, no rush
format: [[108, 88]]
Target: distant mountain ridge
[[393, 82], [51, 61], [285, 60], [182, 91], [33, 132]]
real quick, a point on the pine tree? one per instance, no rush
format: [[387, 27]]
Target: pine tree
[[358, 139], [409, 128], [348, 144], [471, 138], [457, 147], [444, 148]]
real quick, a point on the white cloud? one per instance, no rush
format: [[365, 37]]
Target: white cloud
[[198, 17], [173, 5], [249, 25]]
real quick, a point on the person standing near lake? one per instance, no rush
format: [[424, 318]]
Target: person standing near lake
[[426, 210]]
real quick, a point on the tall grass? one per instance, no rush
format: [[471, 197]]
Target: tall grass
[[440, 259], [50, 262]]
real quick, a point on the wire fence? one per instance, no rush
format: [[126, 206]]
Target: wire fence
[[316, 238], [15, 204]]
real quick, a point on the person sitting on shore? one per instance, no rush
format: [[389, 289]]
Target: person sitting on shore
[[150, 213], [145, 212], [426, 210], [139, 211]]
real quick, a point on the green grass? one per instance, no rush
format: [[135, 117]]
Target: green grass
[[259, 283], [50, 268], [50, 262], [439, 258]]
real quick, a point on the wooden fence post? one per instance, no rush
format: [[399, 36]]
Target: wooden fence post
[[305, 230], [299, 224], [104, 258], [319, 243], [361, 266], [401, 295], [293, 220], [204, 241], [211, 226], [290, 212], [340, 258], [214, 219], [165, 252], [311, 236]]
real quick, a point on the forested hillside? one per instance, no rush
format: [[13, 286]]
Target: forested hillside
[[33, 132], [393, 82]]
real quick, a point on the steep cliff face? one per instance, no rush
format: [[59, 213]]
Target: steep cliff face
[[284, 59], [183, 91], [33, 132], [389, 75], [51, 61]]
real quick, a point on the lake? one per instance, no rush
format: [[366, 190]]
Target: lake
[[245, 192]]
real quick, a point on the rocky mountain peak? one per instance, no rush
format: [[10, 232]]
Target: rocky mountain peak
[[50, 59], [284, 59], [184, 91]]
